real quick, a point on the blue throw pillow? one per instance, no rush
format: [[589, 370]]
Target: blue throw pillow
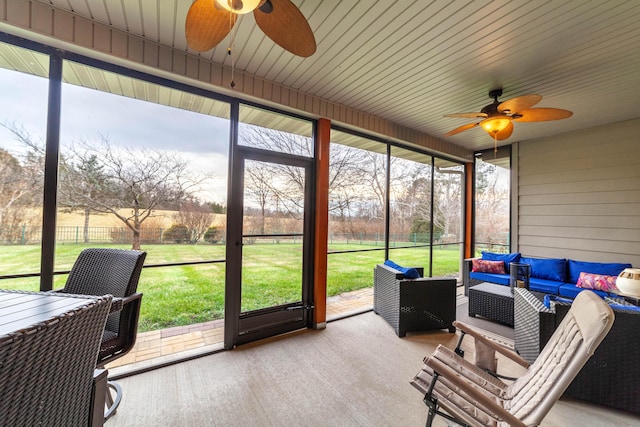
[[547, 268], [409, 273], [605, 268], [507, 258]]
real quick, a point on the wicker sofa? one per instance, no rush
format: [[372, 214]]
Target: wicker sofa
[[557, 276], [413, 304], [611, 376]]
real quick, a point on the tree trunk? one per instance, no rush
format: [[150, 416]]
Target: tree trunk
[[136, 240], [85, 232]]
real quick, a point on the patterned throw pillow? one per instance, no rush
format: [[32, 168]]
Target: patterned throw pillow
[[485, 266], [598, 282]]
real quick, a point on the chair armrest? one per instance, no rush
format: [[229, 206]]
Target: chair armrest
[[117, 303], [463, 327], [466, 269], [481, 398], [120, 302], [131, 298]]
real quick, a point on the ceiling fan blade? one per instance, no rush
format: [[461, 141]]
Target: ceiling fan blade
[[519, 103], [286, 26], [477, 115], [206, 25], [505, 133], [461, 129], [543, 114]]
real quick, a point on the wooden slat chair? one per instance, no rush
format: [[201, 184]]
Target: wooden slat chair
[[472, 396]]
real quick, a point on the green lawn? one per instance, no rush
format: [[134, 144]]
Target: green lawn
[[195, 293]]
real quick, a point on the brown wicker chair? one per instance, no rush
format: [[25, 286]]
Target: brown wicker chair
[[47, 369], [471, 396], [413, 304], [100, 271]]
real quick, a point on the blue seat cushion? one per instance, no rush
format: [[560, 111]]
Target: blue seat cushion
[[571, 290], [606, 268], [500, 279], [408, 272], [544, 285]]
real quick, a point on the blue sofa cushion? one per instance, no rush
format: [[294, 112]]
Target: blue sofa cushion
[[544, 285], [500, 279], [506, 258], [408, 272], [571, 290], [547, 268], [606, 268]]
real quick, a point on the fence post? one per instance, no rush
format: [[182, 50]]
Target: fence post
[[24, 234]]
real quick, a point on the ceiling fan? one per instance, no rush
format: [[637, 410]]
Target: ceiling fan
[[209, 21], [498, 117]]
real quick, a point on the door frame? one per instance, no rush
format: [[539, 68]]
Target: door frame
[[241, 328]]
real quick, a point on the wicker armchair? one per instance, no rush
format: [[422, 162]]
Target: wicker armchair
[[100, 271], [610, 377], [47, 369], [413, 305]]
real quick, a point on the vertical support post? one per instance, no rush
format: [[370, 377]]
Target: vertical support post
[[469, 187], [321, 238], [432, 215], [50, 193], [387, 203], [233, 275]]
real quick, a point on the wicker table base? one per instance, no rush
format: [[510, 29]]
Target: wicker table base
[[491, 301]]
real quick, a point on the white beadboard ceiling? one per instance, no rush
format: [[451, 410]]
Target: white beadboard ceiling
[[413, 61]]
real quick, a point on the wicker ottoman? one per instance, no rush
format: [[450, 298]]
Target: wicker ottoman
[[491, 301]]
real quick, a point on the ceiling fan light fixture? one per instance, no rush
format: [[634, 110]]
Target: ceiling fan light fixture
[[239, 7], [494, 125]]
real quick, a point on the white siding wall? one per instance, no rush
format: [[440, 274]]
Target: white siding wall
[[579, 195]]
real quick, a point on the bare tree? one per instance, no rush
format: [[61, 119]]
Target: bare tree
[[12, 185], [81, 181], [357, 189], [196, 217], [136, 181], [492, 205], [448, 201], [259, 189], [356, 181], [21, 180]]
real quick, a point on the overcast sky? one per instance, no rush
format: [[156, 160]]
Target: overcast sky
[[87, 114]]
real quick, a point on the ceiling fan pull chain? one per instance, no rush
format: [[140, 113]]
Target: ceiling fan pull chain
[[233, 32]]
